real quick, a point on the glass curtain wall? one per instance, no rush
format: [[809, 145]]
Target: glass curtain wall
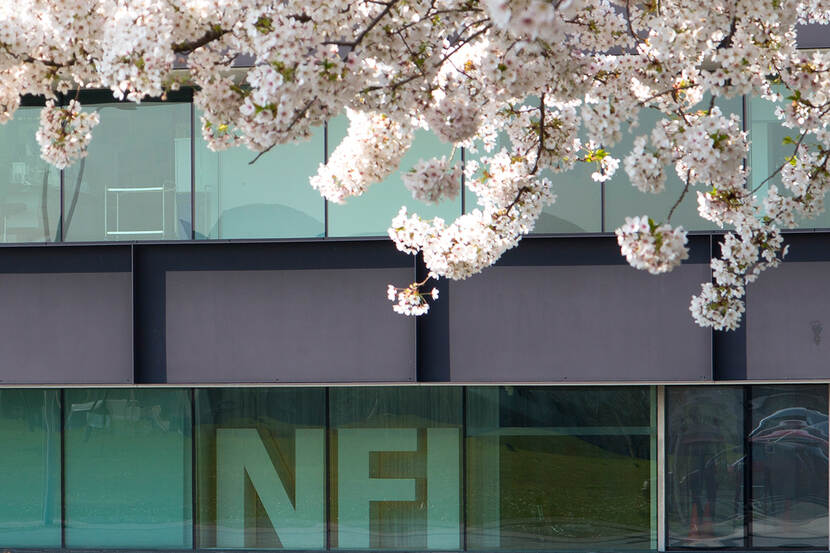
[[371, 213], [747, 466], [560, 469], [135, 182], [30, 468], [128, 468], [771, 147], [445, 468], [395, 463], [270, 198], [261, 468], [29, 187], [624, 200]]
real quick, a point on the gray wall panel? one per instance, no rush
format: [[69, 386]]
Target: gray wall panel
[[61, 328], [577, 323], [332, 325], [788, 322], [813, 36]]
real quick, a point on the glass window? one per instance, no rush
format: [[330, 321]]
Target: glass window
[[704, 458], [788, 456], [747, 451], [396, 468], [624, 200], [135, 182], [268, 199], [768, 151], [29, 187], [128, 468], [578, 205], [371, 213], [566, 468], [30, 468], [261, 468]]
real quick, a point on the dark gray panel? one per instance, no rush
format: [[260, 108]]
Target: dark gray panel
[[61, 328], [813, 36], [788, 322], [329, 325], [577, 323]]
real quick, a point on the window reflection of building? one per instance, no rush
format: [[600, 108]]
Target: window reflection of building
[[747, 466]]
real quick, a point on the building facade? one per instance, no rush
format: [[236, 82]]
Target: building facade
[[197, 354]]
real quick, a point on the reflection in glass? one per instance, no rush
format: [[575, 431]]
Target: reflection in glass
[[704, 457], [135, 182], [29, 187], [396, 468], [30, 468], [371, 213], [261, 468], [788, 446], [128, 468], [560, 468], [270, 198], [624, 200]]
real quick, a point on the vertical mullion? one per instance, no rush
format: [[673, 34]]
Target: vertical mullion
[[661, 468], [463, 501], [327, 469], [62, 409], [61, 186], [192, 171], [747, 469], [463, 180], [325, 200], [193, 473]]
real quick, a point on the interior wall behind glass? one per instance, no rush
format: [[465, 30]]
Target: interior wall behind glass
[[395, 468], [29, 187], [270, 198], [704, 466], [261, 468], [135, 182], [30, 468], [371, 213], [563, 469], [128, 468]]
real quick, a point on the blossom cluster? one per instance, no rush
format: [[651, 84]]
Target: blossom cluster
[[372, 149], [534, 84], [410, 300], [655, 248], [434, 180], [65, 133]]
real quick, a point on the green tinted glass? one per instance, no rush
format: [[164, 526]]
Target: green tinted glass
[[30, 468], [270, 198], [578, 205], [128, 468], [395, 468], [135, 182], [261, 468], [624, 200], [768, 152], [371, 213], [560, 469], [29, 187]]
